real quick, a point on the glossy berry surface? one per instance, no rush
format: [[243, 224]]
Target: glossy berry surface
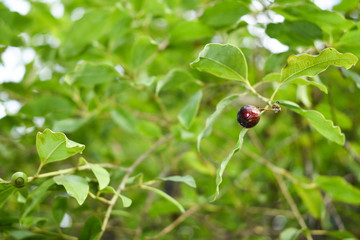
[[248, 116]]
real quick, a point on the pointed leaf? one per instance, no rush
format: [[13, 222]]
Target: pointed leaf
[[224, 163], [91, 229], [166, 196], [307, 65], [188, 113], [125, 200], [222, 60], [142, 50], [101, 175], [5, 192], [52, 146], [317, 120], [210, 120], [189, 180], [76, 186], [339, 189]]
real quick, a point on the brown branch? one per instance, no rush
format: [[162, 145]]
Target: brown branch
[[175, 223], [126, 177]]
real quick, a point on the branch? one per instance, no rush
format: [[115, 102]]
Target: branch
[[125, 178], [175, 223]]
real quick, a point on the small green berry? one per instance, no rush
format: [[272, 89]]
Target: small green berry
[[19, 179]]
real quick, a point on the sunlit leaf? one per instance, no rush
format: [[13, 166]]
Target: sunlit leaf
[[101, 175], [190, 31], [222, 60], [317, 120], [224, 163], [307, 65], [339, 189], [76, 186], [290, 234], [52, 146]]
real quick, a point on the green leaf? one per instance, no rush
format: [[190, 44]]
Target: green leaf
[[36, 197], [188, 113], [142, 50], [166, 196], [224, 163], [91, 229], [189, 180], [148, 128], [76, 186], [343, 235], [52, 146], [275, 77], [312, 199], [89, 74], [222, 60], [84, 31], [354, 76], [101, 175], [326, 20], [210, 120], [190, 31], [317, 120], [346, 5], [349, 42], [125, 200], [339, 189], [307, 65], [69, 125], [59, 208], [214, 15], [174, 80], [294, 33], [55, 106], [5, 192], [290, 234], [124, 119]]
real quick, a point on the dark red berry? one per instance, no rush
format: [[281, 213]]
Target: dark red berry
[[248, 116]]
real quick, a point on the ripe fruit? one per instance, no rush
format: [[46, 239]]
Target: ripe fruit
[[19, 179], [248, 116]]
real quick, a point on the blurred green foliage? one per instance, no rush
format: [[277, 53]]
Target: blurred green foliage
[[115, 76]]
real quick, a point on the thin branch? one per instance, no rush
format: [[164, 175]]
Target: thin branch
[[74, 169], [175, 223], [101, 199], [126, 177], [292, 204]]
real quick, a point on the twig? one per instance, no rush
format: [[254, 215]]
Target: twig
[[292, 204], [175, 223], [332, 210], [74, 169], [101, 199], [125, 178]]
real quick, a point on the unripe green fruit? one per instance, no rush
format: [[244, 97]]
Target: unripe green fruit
[[19, 179]]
